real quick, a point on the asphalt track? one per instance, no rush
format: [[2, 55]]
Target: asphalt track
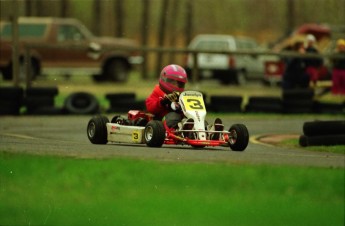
[[66, 136]]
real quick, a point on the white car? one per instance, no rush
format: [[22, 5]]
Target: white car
[[228, 68]]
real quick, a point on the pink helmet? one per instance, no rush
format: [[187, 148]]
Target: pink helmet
[[173, 78]]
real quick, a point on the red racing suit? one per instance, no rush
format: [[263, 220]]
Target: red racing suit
[[153, 103]]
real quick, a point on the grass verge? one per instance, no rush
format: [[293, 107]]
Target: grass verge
[[294, 143], [41, 190]]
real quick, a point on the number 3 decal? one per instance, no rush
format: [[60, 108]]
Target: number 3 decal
[[196, 104]]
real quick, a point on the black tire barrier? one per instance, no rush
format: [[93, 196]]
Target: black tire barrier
[[123, 102], [298, 106], [11, 100], [226, 103], [42, 91], [41, 101], [10, 107], [330, 108], [264, 104], [120, 97], [298, 100], [125, 107], [81, 103], [46, 110], [321, 128], [295, 94], [325, 140]]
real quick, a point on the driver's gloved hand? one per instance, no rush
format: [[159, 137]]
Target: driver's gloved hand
[[172, 97]]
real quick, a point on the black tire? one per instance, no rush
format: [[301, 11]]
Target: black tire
[[298, 106], [11, 93], [331, 108], [141, 122], [226, 103], [81, 103], [42, 91], [39, 104], [117, 70], [319, 128], [264, 104], [298, 94], [46, 110], [154, 133], [241, 78], [35, 70], [120, 97], [325, 140], [11, 100], [7, 73], [39, 101], [97, 129], [238, 137], [9, 107], [264, 100]]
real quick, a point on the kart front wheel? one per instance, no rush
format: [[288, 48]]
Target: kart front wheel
[[154, 133], [238, 137], [97, 129]]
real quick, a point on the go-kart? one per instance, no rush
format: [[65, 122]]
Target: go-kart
[[142, 128]]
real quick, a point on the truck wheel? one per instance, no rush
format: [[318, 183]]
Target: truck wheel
[[7, 73], [238, 137], [97, 129], [35, 70], [241, 78], [154, 133], [117, 70]]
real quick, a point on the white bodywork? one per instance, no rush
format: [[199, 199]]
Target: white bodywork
[[125, 134], [193, 106]]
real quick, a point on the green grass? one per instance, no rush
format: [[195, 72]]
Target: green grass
[[294, 143], [37, 190]]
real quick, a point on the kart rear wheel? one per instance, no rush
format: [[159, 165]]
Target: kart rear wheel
[[238, 137], [154, 133], [97, 129]]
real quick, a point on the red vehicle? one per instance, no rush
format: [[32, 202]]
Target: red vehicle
[[141, 128]]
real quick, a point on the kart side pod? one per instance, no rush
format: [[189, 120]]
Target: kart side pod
[[125, 134]]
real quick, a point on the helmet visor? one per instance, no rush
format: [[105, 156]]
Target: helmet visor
[[176, 83]]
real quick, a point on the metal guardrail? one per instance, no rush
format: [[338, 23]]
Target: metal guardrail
[[283, 54]]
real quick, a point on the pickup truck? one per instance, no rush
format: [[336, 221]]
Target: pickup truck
[[227, 68], [66, 46]]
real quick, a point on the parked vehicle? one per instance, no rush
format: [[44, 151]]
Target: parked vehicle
[[325, 36], [66, 46], [228, 68]]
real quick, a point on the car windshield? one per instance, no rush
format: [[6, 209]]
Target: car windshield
[[25, 30]]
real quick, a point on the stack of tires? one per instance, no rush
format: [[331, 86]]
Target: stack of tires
[[298, 101], [41, 101], [11, 100], [264, 104], [325, 133], [226, 103], [330, 108], [79, 103], [123, 102]]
